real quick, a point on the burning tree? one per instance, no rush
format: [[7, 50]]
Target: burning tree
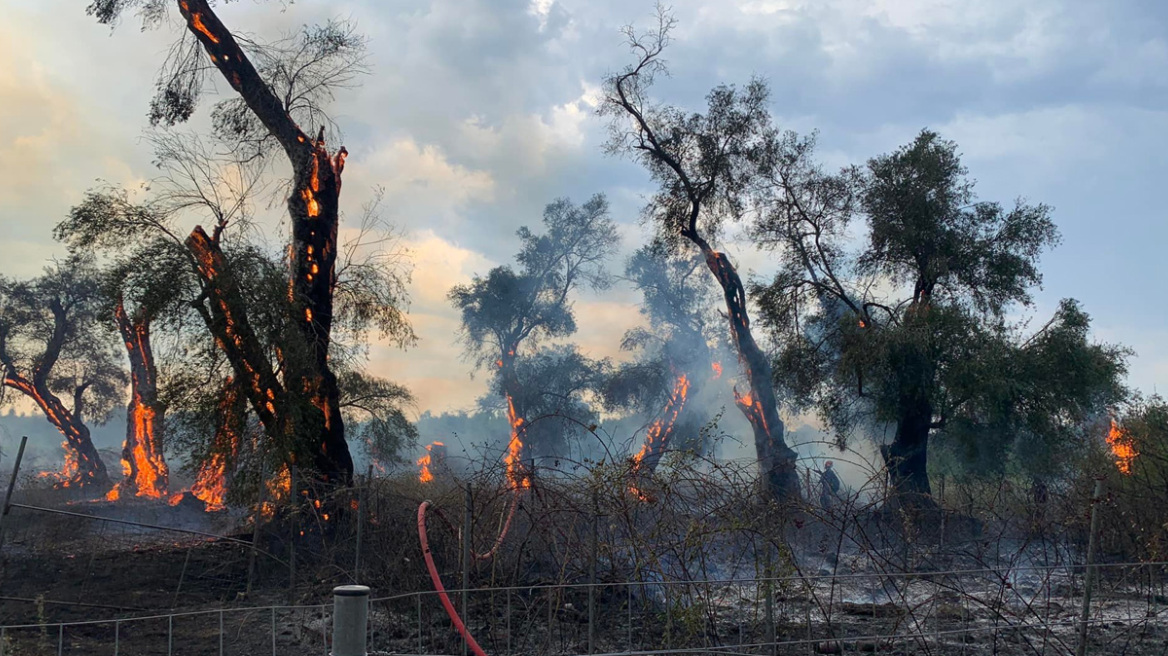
[[298, 399], [703, 164], [505, 310], [52, 344], [910, 329], [676, 358], [285, 355]]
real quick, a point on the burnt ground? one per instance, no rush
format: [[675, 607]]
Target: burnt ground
[[65, 569]]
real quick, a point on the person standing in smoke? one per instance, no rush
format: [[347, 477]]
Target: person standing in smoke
[[829, 485]]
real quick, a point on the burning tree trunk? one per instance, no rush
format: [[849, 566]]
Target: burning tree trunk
[[210, 484], [518, 450], [776, 459], [657, 437], [313, 209], [702, 164], [146, 473], [83, 465]]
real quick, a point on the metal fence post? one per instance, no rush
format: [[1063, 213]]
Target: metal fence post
[[1089, 575], [350, 620], [273, 631]]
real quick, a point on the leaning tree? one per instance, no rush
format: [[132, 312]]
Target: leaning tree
[[508, 309], [675, 359], [54, 343], [909, 327], [703, 164]]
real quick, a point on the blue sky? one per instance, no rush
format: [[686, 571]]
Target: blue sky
[[477, 113]]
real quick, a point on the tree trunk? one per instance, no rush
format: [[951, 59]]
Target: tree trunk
[[146, 473], [83, 465], [759, 405], [518, 457], [211, 481], [907, 458], [313, 209], [661, 430]]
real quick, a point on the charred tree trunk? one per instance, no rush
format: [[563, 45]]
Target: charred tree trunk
[[83, 464], [518, 458], [313, 209], [211, 481], [661, 430], [907, 458], [146, 473], [759, 405]]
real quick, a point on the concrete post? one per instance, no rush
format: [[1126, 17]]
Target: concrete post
[[350, 619]]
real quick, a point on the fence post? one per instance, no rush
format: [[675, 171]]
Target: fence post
[[11, 486], [1089, 575], [293, 514], [362, 499], [350, 619], [592, 571]]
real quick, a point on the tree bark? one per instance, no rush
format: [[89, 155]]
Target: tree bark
[[759, 405], [907, 457], [313, 209], [143, 462], [661, 430], [83, 464]]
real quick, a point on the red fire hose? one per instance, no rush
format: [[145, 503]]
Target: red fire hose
[[437, 580]]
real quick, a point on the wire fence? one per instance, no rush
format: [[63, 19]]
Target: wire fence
[[1031, 609]]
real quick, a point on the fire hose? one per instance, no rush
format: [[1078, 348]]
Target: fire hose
[[459, 625]]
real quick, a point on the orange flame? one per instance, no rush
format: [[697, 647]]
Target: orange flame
[[1121, 447], [197, 22], [717, 367], [515, 471], [69, 471], [425, 462], [657, 437]]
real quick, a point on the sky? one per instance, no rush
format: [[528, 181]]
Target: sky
[[477, 113]]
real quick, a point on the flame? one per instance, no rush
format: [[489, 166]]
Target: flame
[[520, 478], [69, 471], [210, 484], [717, 367], [197, 23], [176, 499], [862, 324], [1121, 447], [148, 469], [753, 410], [425, 462], [660, 430]]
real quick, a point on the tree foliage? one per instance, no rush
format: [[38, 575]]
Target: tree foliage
[[910, 327]]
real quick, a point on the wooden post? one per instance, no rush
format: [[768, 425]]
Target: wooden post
[[592, 571], [362, 499], [11, 486], [1089, 575]]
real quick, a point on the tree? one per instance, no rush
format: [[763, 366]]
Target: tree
[[910, 328], [508, 310], [52, 344], [303, 400], [147, 282], [676, 359], [703, 164]]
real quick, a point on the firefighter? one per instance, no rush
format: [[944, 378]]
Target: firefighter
[[829, 486]]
